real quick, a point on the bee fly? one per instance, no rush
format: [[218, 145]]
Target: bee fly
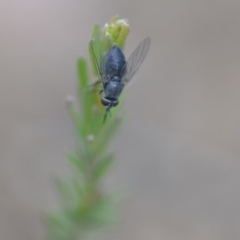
[[113, 70]]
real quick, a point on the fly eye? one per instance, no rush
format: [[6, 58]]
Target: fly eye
[[105, 102], [115, 103]]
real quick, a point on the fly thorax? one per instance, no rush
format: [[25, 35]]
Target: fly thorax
[[113, 88]]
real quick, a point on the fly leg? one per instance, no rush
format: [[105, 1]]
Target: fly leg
[[94, 86], [95, 83]]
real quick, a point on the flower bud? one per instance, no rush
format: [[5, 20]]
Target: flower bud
[[117, 30]]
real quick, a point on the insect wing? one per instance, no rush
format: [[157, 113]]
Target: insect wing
[[99, 49], [135, 60]]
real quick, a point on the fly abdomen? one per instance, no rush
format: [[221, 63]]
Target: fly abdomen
[[114, 62]]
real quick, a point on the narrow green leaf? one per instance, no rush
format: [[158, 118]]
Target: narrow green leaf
[[103, 212], [59, 220], [86, 97], [82, 74], [102, 167], [96, 28], [87, 109], [77, 163], [105, 137], [69, 195], [78, 124]]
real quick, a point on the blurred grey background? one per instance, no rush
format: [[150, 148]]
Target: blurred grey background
[[178, 153]]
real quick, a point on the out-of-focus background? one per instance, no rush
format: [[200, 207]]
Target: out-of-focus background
[[178, 153]]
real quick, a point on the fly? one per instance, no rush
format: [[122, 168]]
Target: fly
[[113, 70]]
